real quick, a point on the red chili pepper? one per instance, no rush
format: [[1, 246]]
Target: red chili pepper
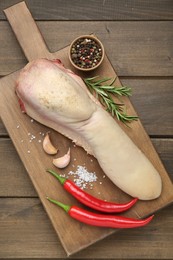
[[101, 220], [91, 201]]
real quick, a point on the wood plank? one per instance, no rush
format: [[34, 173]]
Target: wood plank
[[124, 249], [14, 178], [3, 130], [15, 181], [152, 99], [146, 93], [43, 183], [26, 232], [132, 51], [106, 10], [33, 160]]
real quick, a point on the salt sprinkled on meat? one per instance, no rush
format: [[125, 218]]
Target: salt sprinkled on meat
[[83, 178]]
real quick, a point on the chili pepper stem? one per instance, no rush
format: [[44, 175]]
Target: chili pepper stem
[[60, 204], [59, 178]]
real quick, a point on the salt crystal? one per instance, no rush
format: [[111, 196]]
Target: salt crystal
[[82, 177], [29, 151], [18, 126], [39, 141], [32, 120], [84, 186]]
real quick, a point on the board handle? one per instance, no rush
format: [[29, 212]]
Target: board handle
[[27, 32]]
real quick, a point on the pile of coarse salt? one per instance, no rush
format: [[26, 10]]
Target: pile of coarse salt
[[83, 178]]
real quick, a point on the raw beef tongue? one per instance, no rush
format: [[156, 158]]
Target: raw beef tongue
[[56, 97]]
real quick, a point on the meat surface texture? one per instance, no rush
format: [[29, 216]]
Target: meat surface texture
[[56, 97]]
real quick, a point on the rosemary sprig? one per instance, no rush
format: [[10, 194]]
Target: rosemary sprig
[[104, 91]]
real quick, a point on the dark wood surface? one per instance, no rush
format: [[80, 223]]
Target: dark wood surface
[[97, 9], [141, 53]]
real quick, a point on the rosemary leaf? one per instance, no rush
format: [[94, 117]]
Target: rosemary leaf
[[113, 81], [104, 91]]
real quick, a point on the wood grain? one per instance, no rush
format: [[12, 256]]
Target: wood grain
[[132, 51], [43, 183], [15, 181], [26, 232], [120, 10], [19, 19], [32, 237], [152, 99]]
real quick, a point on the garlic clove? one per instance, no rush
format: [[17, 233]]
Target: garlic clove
[[47, 145], [63, 161]]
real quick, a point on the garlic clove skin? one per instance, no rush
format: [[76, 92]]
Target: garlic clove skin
[[48, 146], [63, 161]]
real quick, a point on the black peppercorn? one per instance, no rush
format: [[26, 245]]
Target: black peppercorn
[[86, 53]]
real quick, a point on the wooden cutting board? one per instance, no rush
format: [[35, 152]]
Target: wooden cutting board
[[73, 235]]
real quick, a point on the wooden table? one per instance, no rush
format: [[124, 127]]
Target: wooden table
[[138, 38]]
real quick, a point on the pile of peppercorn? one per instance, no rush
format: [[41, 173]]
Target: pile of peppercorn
[[86, 53]]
